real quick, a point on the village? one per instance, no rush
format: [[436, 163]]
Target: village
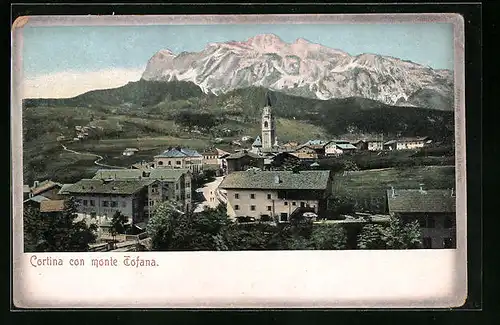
[[265, 182]]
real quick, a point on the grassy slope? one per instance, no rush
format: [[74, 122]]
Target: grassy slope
[[140, 115], [368, 187]]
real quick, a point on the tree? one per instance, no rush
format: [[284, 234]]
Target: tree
[[58, 231], [118, 225], [396, 235], [160, 226], [172, 229], [33, 229], [328, 237]]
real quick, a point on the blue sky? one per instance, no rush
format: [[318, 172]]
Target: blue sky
[[56, 49]]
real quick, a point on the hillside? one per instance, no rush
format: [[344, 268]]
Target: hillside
[[186, 104]]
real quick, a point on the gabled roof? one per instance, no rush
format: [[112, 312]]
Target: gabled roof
[[346, 146], [179, 153], [242, 154], [303, 180], [138, 174], [44, 186], [315, 142], [98, 186], [210, 151], [52, 206], [63, 189], [37, 198], [257, 142], [415, 200]]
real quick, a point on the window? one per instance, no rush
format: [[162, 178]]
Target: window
[[266, 124], [427, 242], [236, 207], [178, 162], [105, 203], [92, 203], [447, 242], [177, 198], [176, 186], [286, 203], [85, 202], [236, 196], [448, 223], [269, 208], [302, 204], [114, 204], [188, 195], [294, 203], [284, 217], [431, 223], [252, 196], [160, 163], [124, 204], [252, 207], [169, 163], [269, 196], [421, 222]]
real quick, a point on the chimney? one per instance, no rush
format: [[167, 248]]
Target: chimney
[[277, 179], [35, 183], [393, 192], [421, 187], [452, 191]]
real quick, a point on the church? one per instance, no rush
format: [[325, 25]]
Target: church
[[267, 142]]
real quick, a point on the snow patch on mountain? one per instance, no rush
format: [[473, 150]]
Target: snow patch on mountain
[[305, 69]]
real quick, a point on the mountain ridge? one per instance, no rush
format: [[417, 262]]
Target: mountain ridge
[[304, 68]]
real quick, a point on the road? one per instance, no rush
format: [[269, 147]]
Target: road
[[209, 192], [97, 161]]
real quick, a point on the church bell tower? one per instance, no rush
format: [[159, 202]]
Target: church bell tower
[[268, 127]]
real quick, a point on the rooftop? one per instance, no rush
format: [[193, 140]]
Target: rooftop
[[98, 186], [241, 154], [52, 206], [64, 188], [179, 153], [257, 142], [304, 180], [36, 198], [43, 186], [152, 173], [416, 200], [345, 146]]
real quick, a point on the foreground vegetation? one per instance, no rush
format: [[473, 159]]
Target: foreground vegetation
[[172, 230]]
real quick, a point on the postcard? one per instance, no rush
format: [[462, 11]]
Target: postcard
[[239, 161]]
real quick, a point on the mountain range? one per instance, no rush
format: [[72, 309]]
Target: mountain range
[[305, 69]]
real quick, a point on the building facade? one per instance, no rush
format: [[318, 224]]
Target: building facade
[[180, 158], [242, 161], [407, 143], [103, 198], [276, 194], [336, 148], [434, 210], [172, 184], [375, 145]]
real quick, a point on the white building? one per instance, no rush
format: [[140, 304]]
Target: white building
[[180, 158], [276, 194]]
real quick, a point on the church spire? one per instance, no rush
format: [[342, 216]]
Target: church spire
[[268, 99]]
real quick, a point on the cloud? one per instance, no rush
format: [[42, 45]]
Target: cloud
[[72, 83]]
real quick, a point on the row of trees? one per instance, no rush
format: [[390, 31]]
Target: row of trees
[[170, 229]]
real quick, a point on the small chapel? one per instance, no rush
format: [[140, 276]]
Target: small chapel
[[267, 142]]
